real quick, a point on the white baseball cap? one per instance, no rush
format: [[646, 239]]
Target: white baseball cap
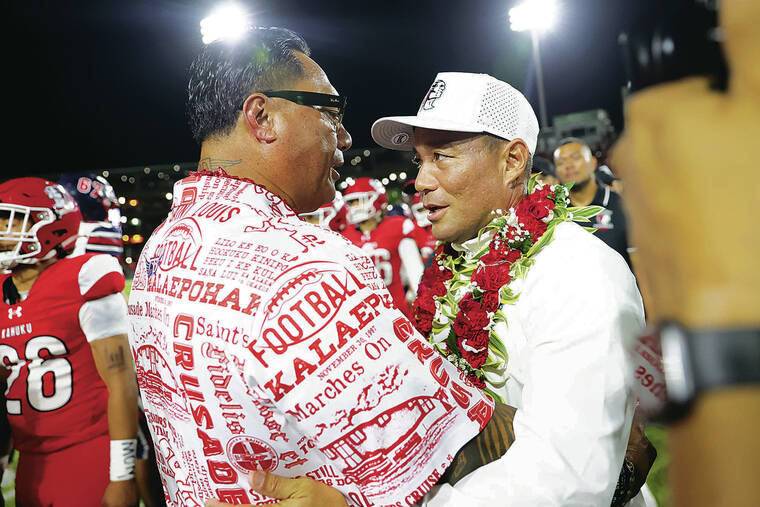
[[463, 102]]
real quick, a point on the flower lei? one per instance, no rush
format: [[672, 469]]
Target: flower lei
[[459, 297]]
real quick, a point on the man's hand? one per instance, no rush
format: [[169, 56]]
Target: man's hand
[[688, 159], [120, 494], [301, 492]]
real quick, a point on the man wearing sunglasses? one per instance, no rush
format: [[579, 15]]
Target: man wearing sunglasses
[[263, 342]]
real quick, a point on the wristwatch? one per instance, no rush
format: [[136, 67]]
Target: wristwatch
[[699, 360]]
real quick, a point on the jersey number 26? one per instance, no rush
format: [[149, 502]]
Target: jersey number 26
[[48, 379]]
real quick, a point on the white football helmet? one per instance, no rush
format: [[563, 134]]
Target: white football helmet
[[419, 212], [366, 198], [332, 215]]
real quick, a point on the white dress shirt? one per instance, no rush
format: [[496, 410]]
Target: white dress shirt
[[566, 374]]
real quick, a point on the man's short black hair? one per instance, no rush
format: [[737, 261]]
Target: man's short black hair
[[225, 73], [492, 142]]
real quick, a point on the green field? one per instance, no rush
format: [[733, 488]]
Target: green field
[[658, 475]]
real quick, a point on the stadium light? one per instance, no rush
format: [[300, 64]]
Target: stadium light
[[538, 15], [228, 21], [535, 16]]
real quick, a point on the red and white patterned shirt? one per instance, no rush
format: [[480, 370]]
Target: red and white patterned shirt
[[265, 342]]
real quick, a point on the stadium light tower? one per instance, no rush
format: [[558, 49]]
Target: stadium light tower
[[227, 21], [536, 16]]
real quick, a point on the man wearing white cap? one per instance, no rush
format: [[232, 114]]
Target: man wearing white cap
[[526, 303]]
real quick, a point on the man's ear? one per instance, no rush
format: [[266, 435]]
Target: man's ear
[[257, 114], [517, 158]]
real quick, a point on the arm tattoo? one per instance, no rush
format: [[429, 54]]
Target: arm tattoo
[[212, 164], [115, 359], [499, 434], [489, 445]]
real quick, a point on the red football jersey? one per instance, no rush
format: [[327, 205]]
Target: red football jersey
[[425, 241], [381, 245], [55, 396]]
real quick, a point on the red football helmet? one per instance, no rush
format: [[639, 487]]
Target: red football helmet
[[418, 211], [366, 199], [332, 215], [38, 220]]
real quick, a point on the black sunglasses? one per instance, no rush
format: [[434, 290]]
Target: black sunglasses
[[314, 99]]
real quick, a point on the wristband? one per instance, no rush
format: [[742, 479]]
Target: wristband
[[698, 360], [123, 459]]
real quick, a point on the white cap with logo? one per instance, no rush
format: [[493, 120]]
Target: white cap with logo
[[463, 102]]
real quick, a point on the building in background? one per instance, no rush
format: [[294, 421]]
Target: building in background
[[593, 126]]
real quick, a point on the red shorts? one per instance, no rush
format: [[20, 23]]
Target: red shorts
[[73, 477]]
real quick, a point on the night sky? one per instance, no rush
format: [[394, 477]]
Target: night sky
[[100, 85]]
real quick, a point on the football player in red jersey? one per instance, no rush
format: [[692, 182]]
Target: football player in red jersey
[[72, 396], [423, 234], [389, 241], [5, 428], [100, 230], [333, 215]]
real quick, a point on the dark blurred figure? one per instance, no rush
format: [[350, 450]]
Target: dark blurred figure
[[576, 164], [100, 231], [605, 175], [687, 157]]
